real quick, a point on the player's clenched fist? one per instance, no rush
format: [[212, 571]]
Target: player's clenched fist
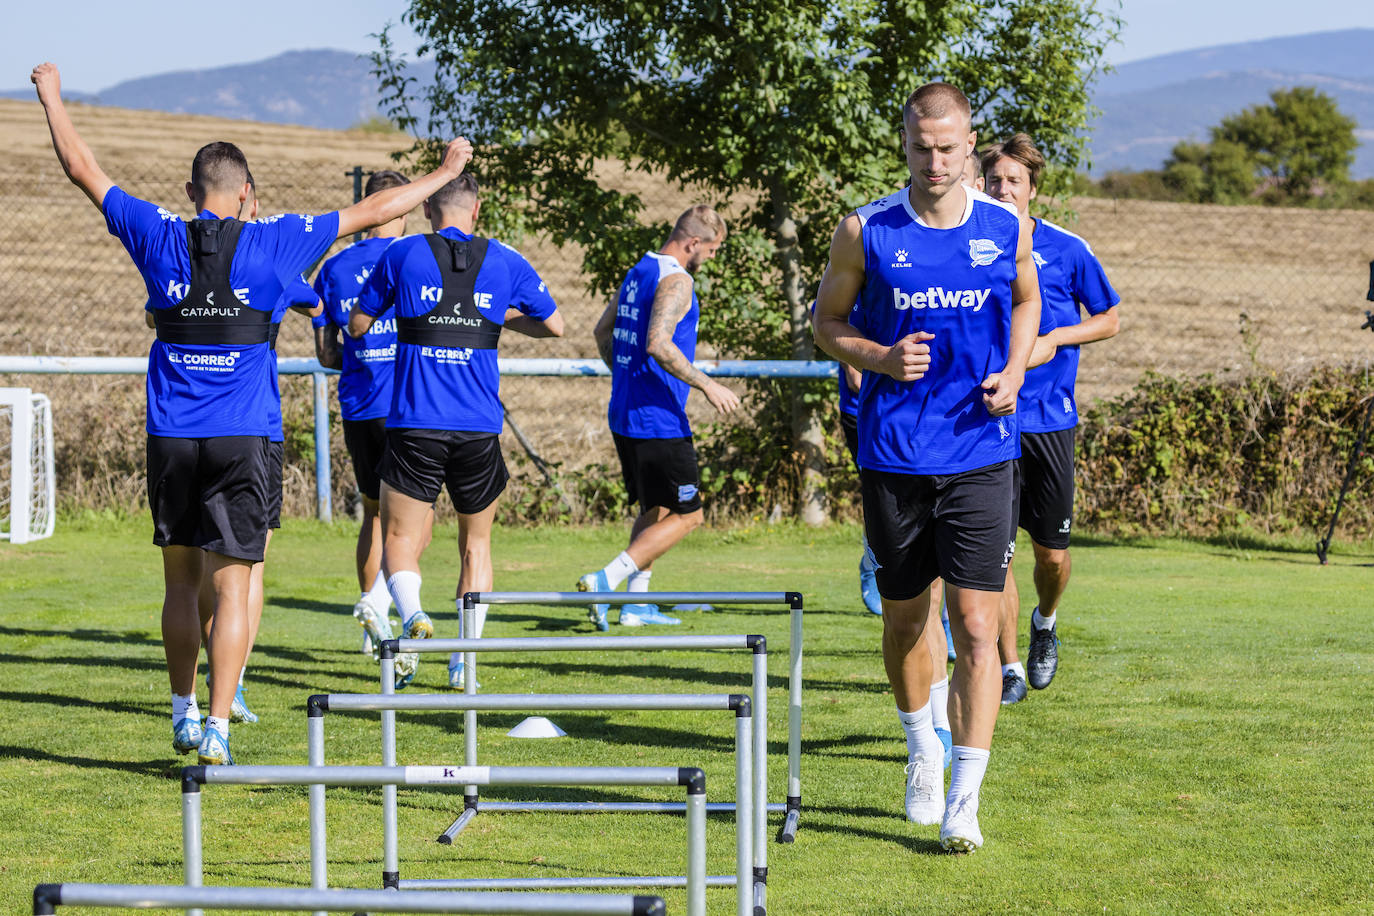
[[909, 358], [458, 154], [48, 81]]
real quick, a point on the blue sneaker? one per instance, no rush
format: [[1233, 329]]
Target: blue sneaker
[[239, 711], [868, 584], [186, 735], [457, 675], [596, 613], [214, 750], [948, 741], [949, 637], [642, 615]]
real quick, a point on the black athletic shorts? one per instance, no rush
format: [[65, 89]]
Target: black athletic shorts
[[950, 526], [1046, 510], [276, 457], [849, 425], [366, 441], [421, 462], [210, 493], [660, 472]]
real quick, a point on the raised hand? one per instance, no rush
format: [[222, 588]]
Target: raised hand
[[457, 155]]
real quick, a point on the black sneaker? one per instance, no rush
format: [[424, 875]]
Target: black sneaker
[[1042, 659], [1013, 688]]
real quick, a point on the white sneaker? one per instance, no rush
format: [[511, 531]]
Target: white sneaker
[[457, 673], [959, 830], [925, 789]]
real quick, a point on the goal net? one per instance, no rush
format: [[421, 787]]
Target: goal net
[[27, 482]]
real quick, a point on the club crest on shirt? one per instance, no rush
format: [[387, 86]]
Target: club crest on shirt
[[982, 252], [1038, 259]]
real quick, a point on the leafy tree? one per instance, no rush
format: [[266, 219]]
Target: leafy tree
[[1296, 144], [788, 113]]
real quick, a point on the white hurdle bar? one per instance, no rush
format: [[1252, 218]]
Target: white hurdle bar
[[756, 645], [317, 777], [389, 703], [793, 600], [48, 897]]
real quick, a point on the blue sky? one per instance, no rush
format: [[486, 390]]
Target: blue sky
[[118, 41]]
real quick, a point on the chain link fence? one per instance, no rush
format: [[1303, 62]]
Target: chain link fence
[[1225, 290]]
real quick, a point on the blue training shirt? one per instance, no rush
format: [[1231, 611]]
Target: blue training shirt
[[953, 283], [198, 391], [450, 388], [368, 361], [648, 402], [1070, 277], [298, 293]]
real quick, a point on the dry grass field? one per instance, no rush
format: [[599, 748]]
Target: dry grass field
[[1185, 274]]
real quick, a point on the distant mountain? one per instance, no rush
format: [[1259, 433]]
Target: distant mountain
[[321, 88], [1149, 105]]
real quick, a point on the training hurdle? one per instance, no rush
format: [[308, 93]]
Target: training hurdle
[[793, 600], [48, 897], [756, 645], [318, 777], [389, 703]]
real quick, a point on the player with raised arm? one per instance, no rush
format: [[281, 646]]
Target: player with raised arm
[[213, 284], [453, 292], [365, 367], [648, 338], [948, 309], [1071, 278]]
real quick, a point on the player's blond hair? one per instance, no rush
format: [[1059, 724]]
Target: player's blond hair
[[699, 222], [937, 100]]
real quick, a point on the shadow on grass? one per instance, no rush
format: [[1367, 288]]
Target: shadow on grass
[[122, 637], [52, 699], [899, 835], [161, 768]]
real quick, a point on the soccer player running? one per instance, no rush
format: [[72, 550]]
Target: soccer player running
[[648, 338], [1070, 278], [452, 292], [213, 285], [365, 367], [949, 309]]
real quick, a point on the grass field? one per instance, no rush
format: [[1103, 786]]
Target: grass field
[[1206, 747]]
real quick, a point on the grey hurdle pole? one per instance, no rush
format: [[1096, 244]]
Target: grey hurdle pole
[[391, 860], [692, 778], [48, 897], [191, 839], [319, 876]]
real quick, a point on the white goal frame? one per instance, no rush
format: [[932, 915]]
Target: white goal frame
[[28, 484]]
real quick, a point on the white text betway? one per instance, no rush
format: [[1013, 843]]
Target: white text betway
[[937, 297]]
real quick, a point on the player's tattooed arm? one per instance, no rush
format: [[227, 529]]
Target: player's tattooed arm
[[671, 301], [604, 334]]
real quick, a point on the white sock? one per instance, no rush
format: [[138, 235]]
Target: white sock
[[620, 569], [378, 596], [242, 672], [217, 725], [639, 580], [184, 707], [479, 615], [939, 704], [404, 587], [966, 772], [1017, 667], [920, 733], [1042, 623]]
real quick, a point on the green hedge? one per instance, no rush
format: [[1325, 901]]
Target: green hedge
[[1204, 456]]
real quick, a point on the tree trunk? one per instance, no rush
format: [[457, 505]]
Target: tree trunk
[[807, 436]]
